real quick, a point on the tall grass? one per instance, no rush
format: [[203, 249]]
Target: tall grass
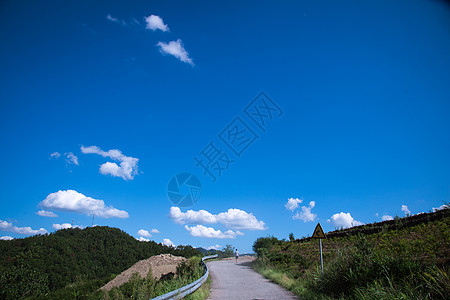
[[362, 272]]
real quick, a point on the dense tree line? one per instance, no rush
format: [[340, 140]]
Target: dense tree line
[[38, 264]]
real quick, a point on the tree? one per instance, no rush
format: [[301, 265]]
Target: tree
[[291, 237], [228, 251]]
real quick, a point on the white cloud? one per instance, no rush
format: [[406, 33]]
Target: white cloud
[[155, 23], [306, 215], [72, 201], [444, 206], [238, 219], [5, 226], [44, 213], [405, 210], [215, 247], [176, 49], [55, 155], [191, 216], [154, 230], [6, 238], [71, 158], [143, 239], [292, 203], [233, 218], [387, 218], [115, 20], [168, 242], [64, 226], [344, 220], [209, 232], [128, 165], [144, 232]]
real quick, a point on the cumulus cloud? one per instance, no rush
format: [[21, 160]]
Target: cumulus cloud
[[144, 232], [191, 216], [175, 48], [6, 226], [209, 232], [344, 220], [6, 238], [49, 214], [143, 239], [168, 242], [306, 215], [155, 22], [154, 230], [72, 201], [55, 155], [293, 203], [238, 219], [128, 165], [64, 226], [115, 20], [233, 218], [387, 218], [405, 210], [215, 247], [71, 158]]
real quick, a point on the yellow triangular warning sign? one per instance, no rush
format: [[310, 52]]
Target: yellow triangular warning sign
[[318, 232]]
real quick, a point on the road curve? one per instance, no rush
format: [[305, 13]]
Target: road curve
[[236, 281]]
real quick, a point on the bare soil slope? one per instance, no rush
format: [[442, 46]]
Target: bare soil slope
[[159, 264]]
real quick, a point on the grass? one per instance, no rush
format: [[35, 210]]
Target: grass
[[202, 292], [397, 262]]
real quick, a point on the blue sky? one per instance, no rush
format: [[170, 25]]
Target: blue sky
[[363, 90]]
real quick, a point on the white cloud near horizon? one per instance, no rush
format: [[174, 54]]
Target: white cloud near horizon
[[306, 215], [49, 214], [156, 22], [6, 226], [344, 220], [443, 206], [144, 233], [387, 218], [143, 239], [405, 210], [6, 238], [176, 49], [293, 203], [154, 230], [168, 242], [64, 226], [128, 165], [215, 247], [75, 202], [209, 232], [233, 218]]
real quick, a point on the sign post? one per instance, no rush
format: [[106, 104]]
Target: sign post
[[319, 234]]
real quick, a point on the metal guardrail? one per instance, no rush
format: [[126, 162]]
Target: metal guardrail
[[187, 289]]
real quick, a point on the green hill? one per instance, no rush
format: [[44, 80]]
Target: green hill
[[405, 258], [40, 264]]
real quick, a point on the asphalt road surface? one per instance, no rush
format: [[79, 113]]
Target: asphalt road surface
[[231, 280]]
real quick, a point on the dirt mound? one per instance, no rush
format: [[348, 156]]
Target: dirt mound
[[159, 264]]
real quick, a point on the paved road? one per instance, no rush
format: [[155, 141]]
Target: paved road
[[237, 281]]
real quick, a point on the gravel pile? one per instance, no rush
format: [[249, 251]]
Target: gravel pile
[[159, 264]]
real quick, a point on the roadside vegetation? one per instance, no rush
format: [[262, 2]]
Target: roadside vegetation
[[75, 263], [147, 288], [406, 258]]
